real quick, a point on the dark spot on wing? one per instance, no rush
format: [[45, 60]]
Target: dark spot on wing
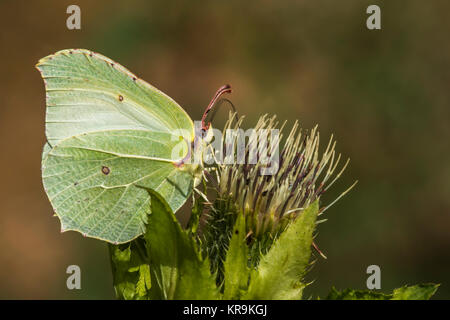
[[120, 97], [134, 78], [75, 183], [105, 170]]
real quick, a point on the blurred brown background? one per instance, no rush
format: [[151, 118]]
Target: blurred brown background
[[384, 94]]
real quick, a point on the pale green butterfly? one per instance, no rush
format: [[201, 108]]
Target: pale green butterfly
[[111, 135]]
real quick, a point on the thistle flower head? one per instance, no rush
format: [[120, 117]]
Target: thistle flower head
[[300, 174], [268, 186]]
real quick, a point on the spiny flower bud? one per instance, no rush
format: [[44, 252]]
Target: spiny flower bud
[[270, 188], [301, 175]]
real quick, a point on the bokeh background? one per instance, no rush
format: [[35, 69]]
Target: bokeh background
[[384, 94]]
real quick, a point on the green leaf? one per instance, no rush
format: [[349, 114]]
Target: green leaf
[[350, 294], [236, 272], [109, 131], [177, 269], [131, 273], [417, 292], [194, 219], [144, 283], [280, 271]]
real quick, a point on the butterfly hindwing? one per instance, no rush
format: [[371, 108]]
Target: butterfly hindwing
[[109, 135]]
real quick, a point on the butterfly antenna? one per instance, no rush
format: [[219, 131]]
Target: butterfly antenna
[[224, 89], [219, 104]]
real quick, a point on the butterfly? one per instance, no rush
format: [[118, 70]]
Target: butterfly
[[110, 136]]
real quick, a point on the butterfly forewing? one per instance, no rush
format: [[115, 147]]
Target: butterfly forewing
[[89, 92]]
